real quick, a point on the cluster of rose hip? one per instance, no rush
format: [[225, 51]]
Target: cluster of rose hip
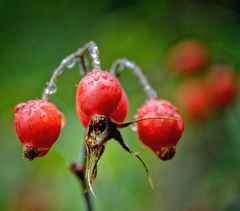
[[102, 105], [214, 90]]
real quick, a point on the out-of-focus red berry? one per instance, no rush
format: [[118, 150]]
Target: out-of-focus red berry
[[99, 92], [222, 86], [38, 124], [188, 56], [161, 135], [194, 99]]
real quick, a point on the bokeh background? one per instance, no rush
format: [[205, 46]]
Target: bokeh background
[[36, 35]]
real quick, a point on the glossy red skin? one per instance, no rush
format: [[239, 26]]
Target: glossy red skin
[[37, 124], [158, 133], [188, 56], [118, 115], [121, 111], [194, 98], [98, 92], [222, 86], [84, 118]]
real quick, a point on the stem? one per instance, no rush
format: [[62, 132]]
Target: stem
[[125, 124], [82, 66], [120, 63], [79, 170], [90, 47]]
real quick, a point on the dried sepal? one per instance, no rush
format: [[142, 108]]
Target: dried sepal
[[100, 130], [118, 137]]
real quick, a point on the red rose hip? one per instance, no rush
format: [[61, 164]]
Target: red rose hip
[[38, 124], [161, 135], [188, 56], [118, 115], [222, 86], [194, 98], [121, 111], [99, 92]]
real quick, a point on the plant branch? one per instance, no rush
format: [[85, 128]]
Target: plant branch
[[125, 124], [79, 170], [90, 47], [119, 64]]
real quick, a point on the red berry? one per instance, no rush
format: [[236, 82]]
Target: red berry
[[161, 135], [194, 99], [38, 125], [121, 111], [99, 92], [222, 86], [84, 118], [118, 115], [188, 56]]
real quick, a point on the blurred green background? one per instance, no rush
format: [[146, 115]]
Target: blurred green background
[[36, 35]]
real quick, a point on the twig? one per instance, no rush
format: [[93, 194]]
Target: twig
[[125, 124], [79, 171], [68, 62], [90, 47], [82, 66], [121, 63]]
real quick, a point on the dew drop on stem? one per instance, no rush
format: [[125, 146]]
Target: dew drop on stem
[[71, 63], [93, 50], [134, 126], [99, 137], [51, 90]]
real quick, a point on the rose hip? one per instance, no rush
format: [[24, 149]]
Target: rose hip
[[99, 92], [222, 86], [193, 97], [38, 125], [188, 56], [161, 135]]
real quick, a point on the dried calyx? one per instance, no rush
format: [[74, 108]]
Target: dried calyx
[[100, 130], [30, 152]]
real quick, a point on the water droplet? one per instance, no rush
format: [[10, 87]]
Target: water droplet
[[129, 64], [27, 112], [51, 90], [44, 116], [134, 127], [98, 138], [90, 82], [93, 49], [71, 63], [147, 87], [96, 77], [63, 121]]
